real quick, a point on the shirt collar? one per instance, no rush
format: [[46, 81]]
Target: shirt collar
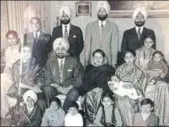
[[104, 23], [68, 25], [38, 34], [138, 28]]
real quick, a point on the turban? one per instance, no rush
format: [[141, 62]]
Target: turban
[[103, 4], [139, 10], [61, 42], [30, 94], [66, 10]]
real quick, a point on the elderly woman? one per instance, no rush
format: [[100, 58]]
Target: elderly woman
[[26, 113], [145, 53], [95, 82], [129, 72]]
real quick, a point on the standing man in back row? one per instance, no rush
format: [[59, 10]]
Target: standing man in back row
[[102, 34], [70, 32]]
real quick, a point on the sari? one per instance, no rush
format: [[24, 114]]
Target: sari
[[143, 57], [126, 105]]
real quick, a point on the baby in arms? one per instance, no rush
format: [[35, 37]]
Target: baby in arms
[[123, 88]]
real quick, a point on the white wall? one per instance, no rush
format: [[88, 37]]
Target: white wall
[[159, 25]]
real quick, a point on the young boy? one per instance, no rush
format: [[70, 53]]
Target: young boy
[[146, 117], [123, 88], [73, 117]]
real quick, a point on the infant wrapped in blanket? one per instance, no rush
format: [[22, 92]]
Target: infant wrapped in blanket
[[123, 88]]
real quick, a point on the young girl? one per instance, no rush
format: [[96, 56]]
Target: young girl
[[108, 115], [146, 117], [157, 67], [54, 115]]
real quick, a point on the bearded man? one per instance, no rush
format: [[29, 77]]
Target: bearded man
[[102, 34], [70, 32]]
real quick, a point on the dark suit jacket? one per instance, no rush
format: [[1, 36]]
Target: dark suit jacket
[[130, 39], [75, 39], [72, 74], [42, 49]]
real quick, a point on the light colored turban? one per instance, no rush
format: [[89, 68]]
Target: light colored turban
[[61, 42], [66, 10], [141, 10], [30, 94], [103, 4]]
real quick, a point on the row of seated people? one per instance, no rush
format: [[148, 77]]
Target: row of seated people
[[65, 75]]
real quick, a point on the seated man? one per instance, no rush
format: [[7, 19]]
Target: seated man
[[62, 72]]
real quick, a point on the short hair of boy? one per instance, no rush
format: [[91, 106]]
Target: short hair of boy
[[147, 101], [74, 105]]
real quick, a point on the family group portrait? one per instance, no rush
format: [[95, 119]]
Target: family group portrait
[[84, 63]]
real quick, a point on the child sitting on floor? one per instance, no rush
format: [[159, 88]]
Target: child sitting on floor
[[146, 117], [108, 115], [73, 117], [54, 115], [123, 88]]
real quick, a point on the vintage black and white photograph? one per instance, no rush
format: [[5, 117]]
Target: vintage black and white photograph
[[85, 63]]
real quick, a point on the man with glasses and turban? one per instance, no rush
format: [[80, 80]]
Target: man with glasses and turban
[[70, 32], [133, 38], [102, 34], [62, 72]]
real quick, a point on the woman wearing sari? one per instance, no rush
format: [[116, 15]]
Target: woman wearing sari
[[12, 54], [129, 72], [95, 81], [145, 53]]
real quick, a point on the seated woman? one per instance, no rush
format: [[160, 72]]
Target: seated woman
[[145, 53], [12, 54], [31, 77], [95, 82], [26, 113], [129, 72]]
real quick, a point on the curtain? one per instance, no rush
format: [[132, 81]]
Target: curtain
[[16, 15]]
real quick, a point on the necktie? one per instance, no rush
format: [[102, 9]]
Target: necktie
[[66, 33], [139, 33], [61, 70], [34, 45], [101, 31]]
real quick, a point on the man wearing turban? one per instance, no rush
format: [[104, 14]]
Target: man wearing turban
[[70, 32], [102, 34], [134, 38], [62, 72]]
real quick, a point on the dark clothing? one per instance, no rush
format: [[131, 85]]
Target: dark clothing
[[72, 75], [75, 39], [130, 41], [96, 77], [93, 77], [20, 117], [40, 48]]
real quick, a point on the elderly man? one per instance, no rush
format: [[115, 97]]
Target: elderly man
[[62, 72], [102, 34], [38, 41], [70, 32], [134, 38]]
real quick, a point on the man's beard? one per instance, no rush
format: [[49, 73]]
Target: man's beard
[[102, 18], [140, 23], [65, 22]]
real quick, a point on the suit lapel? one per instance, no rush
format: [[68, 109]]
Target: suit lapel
[[56, 67], [61, 32], [97, 30], [105, 30], [70, 33], [135, 33]]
